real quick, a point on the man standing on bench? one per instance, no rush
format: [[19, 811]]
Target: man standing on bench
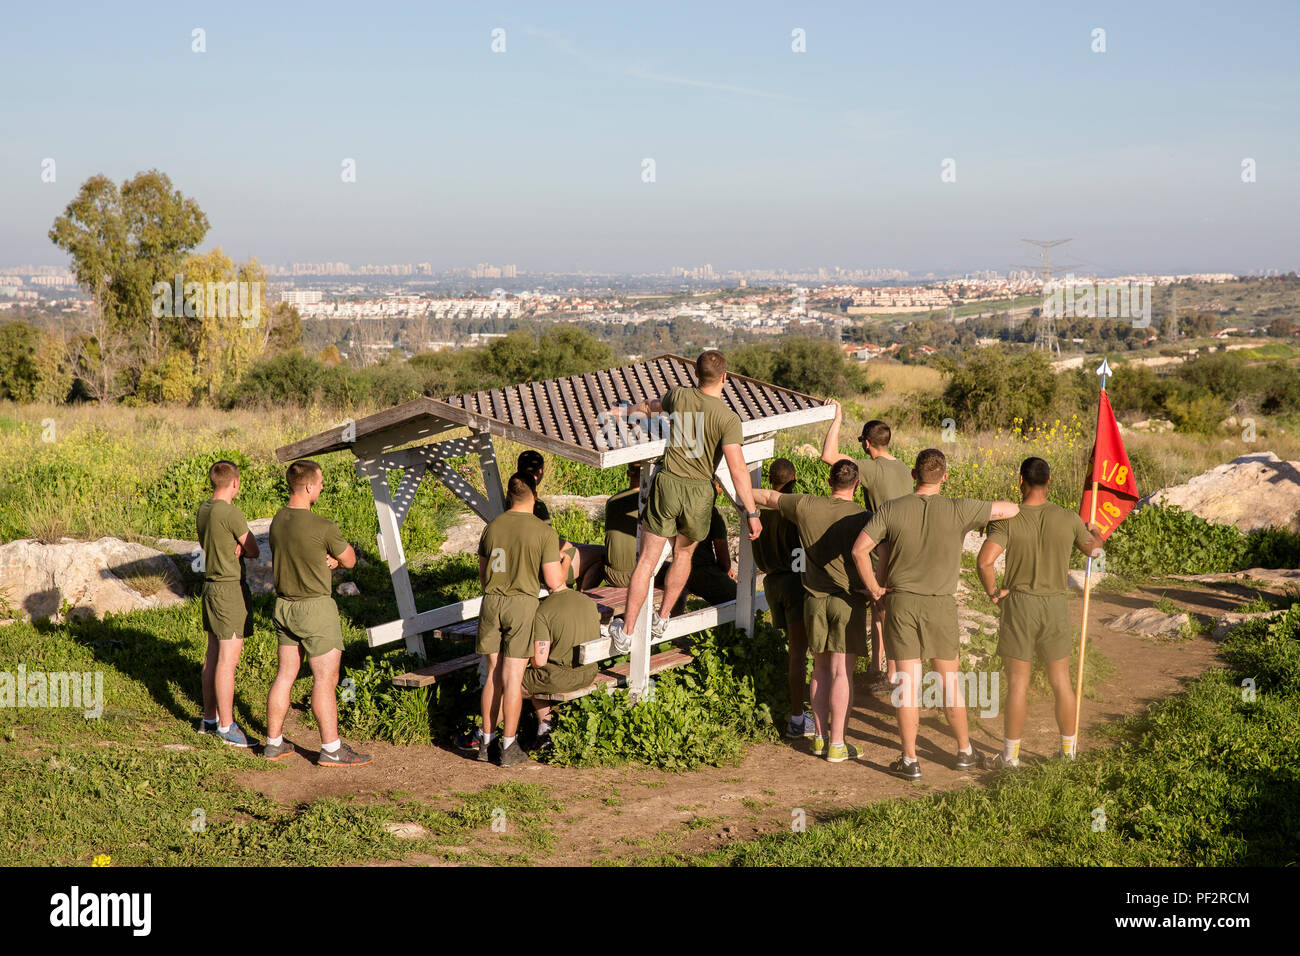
[[703, 431], [564, 621], [516, 553]]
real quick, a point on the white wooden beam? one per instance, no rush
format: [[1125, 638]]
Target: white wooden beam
[[423, 622], [455, 482], [390, 545], [746, 573], [487, 458], [423, 454], [406, 491], [692, 622]]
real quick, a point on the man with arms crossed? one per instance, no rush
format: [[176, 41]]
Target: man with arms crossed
[[882, 477], [704, 432], [305, 548], [834, 610], [776, 552], [517, 552], [1035, 612], [227, 604], [924, 532]]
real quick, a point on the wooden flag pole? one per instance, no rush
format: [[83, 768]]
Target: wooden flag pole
[[1104, 372]]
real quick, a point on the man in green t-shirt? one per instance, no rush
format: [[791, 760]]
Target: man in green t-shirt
[[1035, 615], [712, 577], [703, 431], [882, 477], [564, 620], [622, 513], [305, 548], [834, 612], [224, 540], [776, 553], [921, 535], [586, 561], [518, 553]]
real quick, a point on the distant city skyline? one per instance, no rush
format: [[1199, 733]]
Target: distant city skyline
[[762, 157]]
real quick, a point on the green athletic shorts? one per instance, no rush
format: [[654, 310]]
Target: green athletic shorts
[[836, 624], [1035, 623], [785, 597], [616, 578], [679, 506], [312, 624], [227, 609], [554, 679], [920, 626], [505, 625]]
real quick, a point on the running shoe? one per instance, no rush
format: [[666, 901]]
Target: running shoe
[[235, 737], [345, 756], [276, 751], [908, 771], [838, 753]]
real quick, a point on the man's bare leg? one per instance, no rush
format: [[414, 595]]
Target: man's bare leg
[[210, 678], [277, 702], [821, 693], [954, 705], [490, 698], [906, 696], [512, 693], [591, 566], [324, 694], [841, 693], [1018, 673], [227, 663], [638, 589], [798, 667], [678, 574], [1058, 675]]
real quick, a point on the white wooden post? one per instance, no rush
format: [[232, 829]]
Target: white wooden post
[[487, 457], [390, 548], [638, 672], [746, 574]]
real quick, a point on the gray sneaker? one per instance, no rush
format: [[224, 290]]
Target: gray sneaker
[[512, 755], [658, 626], [619, 640], [345, 756], [276, 751]]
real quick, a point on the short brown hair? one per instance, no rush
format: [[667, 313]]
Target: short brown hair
[[844, 474], [876, 434], [780, 473], [301, 472], [520, 489], [710, 367], [222, 474], [931, 465]]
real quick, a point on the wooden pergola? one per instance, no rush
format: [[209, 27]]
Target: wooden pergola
[[569, 417]]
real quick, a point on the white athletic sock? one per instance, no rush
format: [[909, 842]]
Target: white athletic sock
[[506, 742], [225, 729], [275, 741], [908, 760], [331, 747], [487, 739], [1067, 745], [1011, 750], [543, 728], [967, 749]]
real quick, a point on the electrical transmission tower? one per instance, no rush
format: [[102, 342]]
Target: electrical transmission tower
[[1045, 332]]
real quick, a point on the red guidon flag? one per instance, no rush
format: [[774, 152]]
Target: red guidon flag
[[1110, 473]]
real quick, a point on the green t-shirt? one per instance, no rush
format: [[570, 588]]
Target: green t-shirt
[[221, 526], [774, 551], [701, 425], [1038, 542], [516, 545], [883, 479], [299, 542], [827, 527], [620, 529], [703, 556], [925, 534], [566, 618]]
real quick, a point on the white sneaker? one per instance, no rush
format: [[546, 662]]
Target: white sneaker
[[658, 625], [620, 641]]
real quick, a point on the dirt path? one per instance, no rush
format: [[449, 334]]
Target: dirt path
[[632, 812]]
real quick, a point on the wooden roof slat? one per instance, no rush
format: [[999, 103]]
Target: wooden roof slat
[[561, 415]]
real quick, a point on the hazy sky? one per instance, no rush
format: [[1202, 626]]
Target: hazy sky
[[764, 157]]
